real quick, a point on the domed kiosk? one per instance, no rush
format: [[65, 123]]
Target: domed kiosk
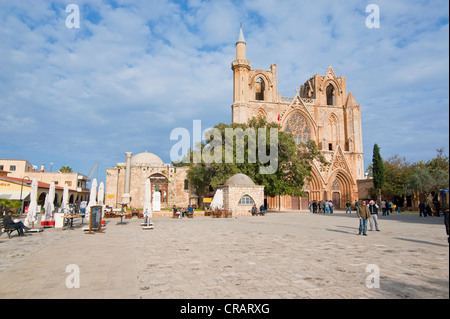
[[240, 193]]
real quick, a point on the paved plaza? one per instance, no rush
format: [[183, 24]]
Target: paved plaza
[[285, 255]]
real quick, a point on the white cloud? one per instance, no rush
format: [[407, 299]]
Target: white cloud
[[138, 69]]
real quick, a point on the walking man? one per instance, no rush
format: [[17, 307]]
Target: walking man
[[422, 209], [348, 207], [364, 215], [327, 207], [383, 207]]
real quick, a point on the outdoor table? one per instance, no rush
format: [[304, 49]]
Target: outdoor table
[[71, 217], [121, 219]]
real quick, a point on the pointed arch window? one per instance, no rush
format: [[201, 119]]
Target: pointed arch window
[[246, 200], [259, 89], [330, 94], [298, 127]]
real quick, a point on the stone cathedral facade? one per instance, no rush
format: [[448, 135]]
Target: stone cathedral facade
[[322, 110]]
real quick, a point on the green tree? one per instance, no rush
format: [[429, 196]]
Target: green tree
[[397, 172], [378, 171], [65, 169], [429, 177], [294, 162]]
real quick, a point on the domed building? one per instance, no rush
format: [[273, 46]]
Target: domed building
[[240, 193], [125, 183]]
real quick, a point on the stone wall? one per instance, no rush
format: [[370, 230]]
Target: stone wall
[[232, 195], [115, 185], [363, 188]]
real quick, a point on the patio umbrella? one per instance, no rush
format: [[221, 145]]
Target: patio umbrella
[[65, 201], [217, 201], [101, 193], [49, 206], [92, 197], [32, 209], [147, 203]]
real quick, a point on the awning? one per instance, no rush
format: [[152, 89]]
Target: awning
[[14, 195]]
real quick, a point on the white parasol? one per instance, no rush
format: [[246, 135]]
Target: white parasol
[[49, 206], [92, 197], [217, 201], [101, 194], [147, 202], [32, 209], [65, 201]]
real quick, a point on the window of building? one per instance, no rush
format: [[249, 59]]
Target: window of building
[[298, 127], [186, 184], [1, 167], [246, 200], [259, 89], [330, 94], [12, 168], [330, 146], [69, 183]]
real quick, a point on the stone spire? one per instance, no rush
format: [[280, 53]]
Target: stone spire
[[241, 38]]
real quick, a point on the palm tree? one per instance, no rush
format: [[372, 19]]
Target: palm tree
[[65, 169]]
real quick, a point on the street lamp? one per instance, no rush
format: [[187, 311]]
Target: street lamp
[[21, 187]]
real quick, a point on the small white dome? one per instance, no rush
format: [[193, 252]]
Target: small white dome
[[146, 158], [240, 180]]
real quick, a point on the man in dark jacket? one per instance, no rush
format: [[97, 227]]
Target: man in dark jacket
[[422, 209], [8, 223]]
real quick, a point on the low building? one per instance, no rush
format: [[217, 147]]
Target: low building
[[23, 169], [240, 193], [125, 183], [17, 189]]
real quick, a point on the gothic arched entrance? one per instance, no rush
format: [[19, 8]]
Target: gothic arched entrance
[[159, 183], [341, 188]]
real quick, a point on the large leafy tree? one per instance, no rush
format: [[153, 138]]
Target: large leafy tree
[[429, 177], [294, 162], [397, 172]]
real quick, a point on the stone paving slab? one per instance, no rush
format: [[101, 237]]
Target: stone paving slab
[[285, 255]]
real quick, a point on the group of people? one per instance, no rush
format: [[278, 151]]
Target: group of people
[[425, 209], [367, 212], [182, 212], [262, 210], [325, 207], [387, 207]]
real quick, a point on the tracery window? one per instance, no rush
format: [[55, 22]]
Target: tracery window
[[298, 127], [246, 200], [335, 186]]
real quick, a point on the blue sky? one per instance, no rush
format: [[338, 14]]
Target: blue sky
[[135, 70]]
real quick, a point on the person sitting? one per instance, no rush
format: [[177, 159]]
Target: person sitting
[[8, 223], [190, 210], [254, 210], [262, 209]]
